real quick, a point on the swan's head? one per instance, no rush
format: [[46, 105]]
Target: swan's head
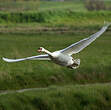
[[41, 49]]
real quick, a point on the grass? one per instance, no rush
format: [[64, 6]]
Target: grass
[[78, 97], [93, 68], [73, 5], [53, 25], [50, 17], [27, 6], [18, 6], [52, 21], [21, 6]]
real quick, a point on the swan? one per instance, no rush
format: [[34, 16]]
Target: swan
[[64, 57]]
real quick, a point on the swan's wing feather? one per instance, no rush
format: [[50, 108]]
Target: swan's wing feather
[[78, 46], [39, 57]]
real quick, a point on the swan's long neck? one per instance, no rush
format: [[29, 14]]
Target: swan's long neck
[[49, 53], [41, 49]]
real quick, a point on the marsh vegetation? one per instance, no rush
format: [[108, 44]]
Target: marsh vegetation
[[54, 25]]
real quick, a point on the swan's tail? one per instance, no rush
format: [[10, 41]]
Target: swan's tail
[[76, 63]]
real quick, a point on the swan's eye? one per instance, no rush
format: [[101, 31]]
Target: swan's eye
[[40, 48]]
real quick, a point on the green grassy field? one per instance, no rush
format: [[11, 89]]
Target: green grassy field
[[54, 25], [78, 97], [52, 21], [19, 6], [73, 5], [51, 16], [95, 60]]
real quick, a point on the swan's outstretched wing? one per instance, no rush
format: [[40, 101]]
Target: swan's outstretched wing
[[39, 57], [78, 46]]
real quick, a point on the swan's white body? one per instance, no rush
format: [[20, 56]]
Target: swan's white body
[[64, 57]]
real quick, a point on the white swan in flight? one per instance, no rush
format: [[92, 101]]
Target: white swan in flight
[[64, 57]]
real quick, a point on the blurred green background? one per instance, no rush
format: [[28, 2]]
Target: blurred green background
[[27, 25]]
